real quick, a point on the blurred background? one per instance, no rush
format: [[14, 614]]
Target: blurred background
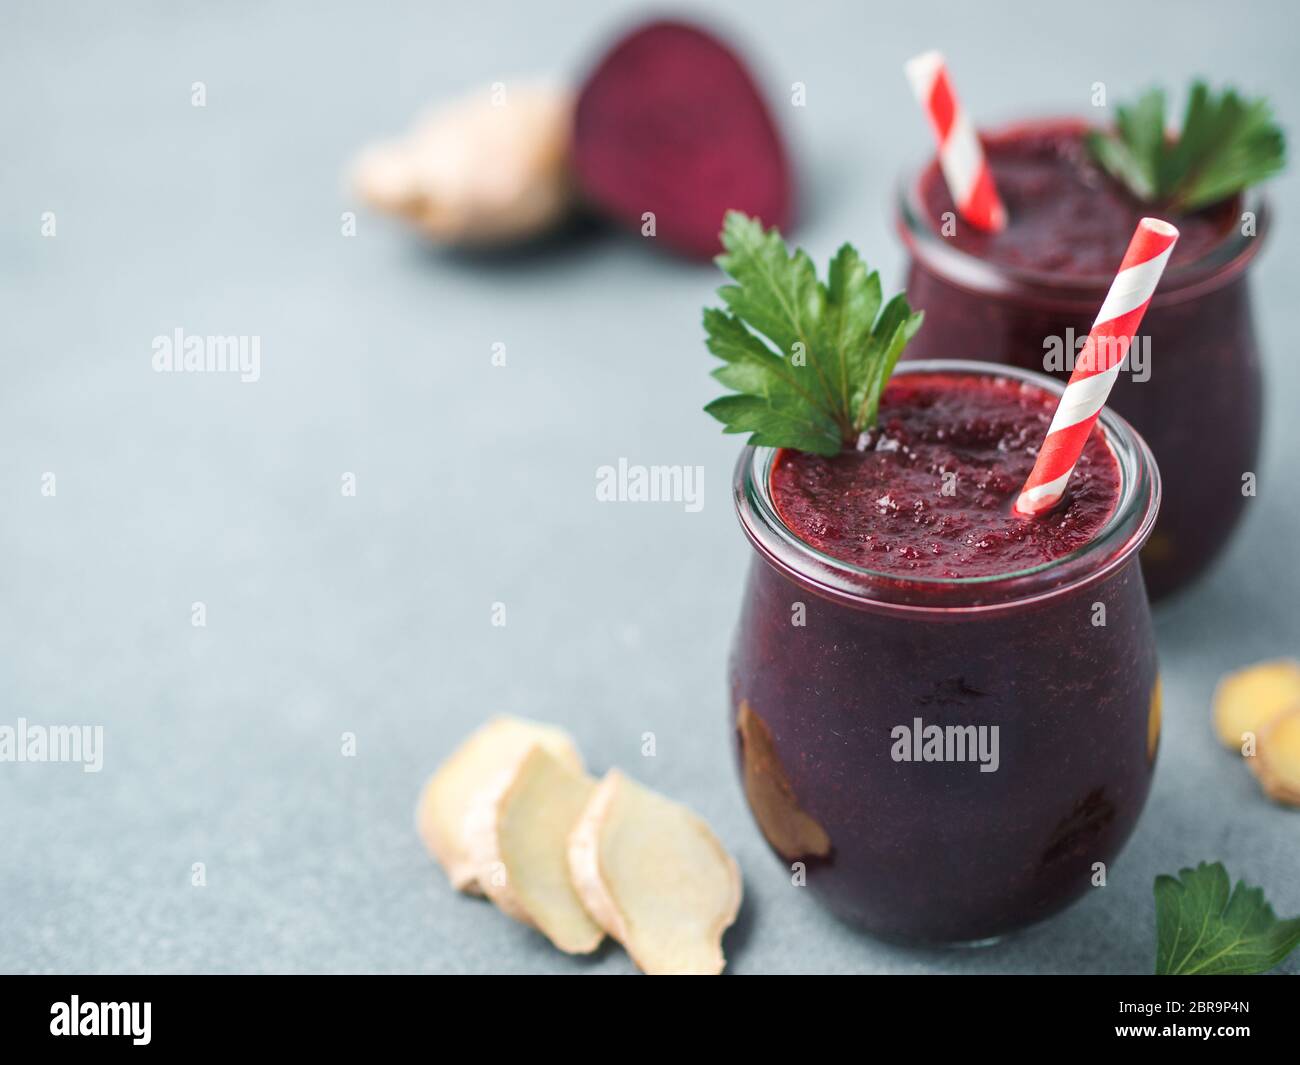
[[329, 614]]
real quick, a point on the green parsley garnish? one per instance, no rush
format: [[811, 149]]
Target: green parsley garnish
[[1201, 929], [1227, 143], [807, 361]]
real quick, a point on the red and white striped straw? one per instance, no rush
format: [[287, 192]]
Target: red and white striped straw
[[1098, 364], [960, 156]]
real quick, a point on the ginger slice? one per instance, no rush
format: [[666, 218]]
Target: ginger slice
[[518, 837], [1277, 760], [489, 168], [792, 832], [476, 765], [1247, 700], [655, 877], [1153, 721]]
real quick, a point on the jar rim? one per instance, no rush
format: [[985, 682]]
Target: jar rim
[[1125, 531], [1184, 281]]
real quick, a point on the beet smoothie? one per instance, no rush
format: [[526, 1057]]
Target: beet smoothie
[[877, 507], [946, 714], [1020, 296]]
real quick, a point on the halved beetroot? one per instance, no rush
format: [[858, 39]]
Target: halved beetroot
[[670, 122]]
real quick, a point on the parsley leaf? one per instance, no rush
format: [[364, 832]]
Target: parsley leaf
[[1202, 930], [807, 360], [1227, 143]]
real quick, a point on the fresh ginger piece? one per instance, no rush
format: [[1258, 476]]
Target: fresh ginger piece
[[489, 168], [655, 877], [518, 836], [1153, 721], [478, 764], [1250, 698], [1277, 758], [791, 832]]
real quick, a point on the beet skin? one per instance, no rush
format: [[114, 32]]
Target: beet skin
[[670, 122]]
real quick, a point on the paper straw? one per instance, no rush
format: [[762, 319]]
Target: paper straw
[[1098, 364], [960, 156]]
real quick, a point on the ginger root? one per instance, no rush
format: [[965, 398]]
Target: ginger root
[[654, 876], [476, 765], [518, 837], [1249, 699], [1277, 760], [490, 168]]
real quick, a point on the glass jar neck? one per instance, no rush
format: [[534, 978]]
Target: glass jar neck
[[1115, 544]]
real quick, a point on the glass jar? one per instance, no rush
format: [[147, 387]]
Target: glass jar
[[1056, 664], [1200, 408]]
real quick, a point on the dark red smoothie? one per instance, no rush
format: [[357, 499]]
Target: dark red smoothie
[[880, 606], [1067, 217], [1021, 296], [930, 492]]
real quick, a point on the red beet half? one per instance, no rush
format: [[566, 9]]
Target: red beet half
[[670, 122]]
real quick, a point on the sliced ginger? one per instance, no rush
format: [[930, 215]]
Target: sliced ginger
[[1249, 699], [1153, 721], [1277, 759], [518, 838], [479, 764], [654, 876], [792, 832]]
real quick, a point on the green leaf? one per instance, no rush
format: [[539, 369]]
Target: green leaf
[[1201, 929], [1142, 128], [1226, 144], [852, 301], [751, 365], [807, 361], [1116, 158], [777, 423], [897, 325]]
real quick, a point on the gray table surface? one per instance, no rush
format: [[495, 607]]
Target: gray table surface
[[370, 615]]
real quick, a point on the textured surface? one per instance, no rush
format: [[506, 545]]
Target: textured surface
[[372, 615]]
